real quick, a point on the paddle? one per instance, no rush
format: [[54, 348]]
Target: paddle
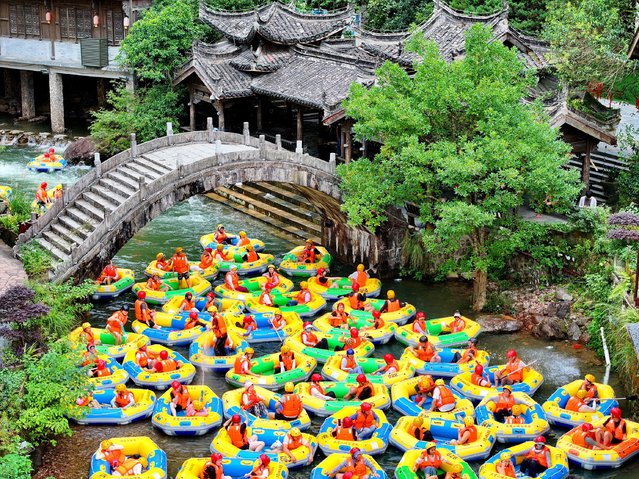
[[277, 331], [523, 367], [632, 397]]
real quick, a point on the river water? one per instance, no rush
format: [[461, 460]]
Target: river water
[[182, 225]]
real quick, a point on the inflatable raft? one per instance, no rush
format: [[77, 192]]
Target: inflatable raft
[[291, 266], [332, 371], [209, 273], [208, 241], [265, 331], [222, 443], [322, 408], [263, 372], [376, 336], [558, 467], [366, 348], [5, 192], [532, 380], [183, 425], [535, 422], [118, 374], [323, 470], [443, 431], [439, 334], [405, 466], [40, 166], [247, 267], [199, 286], [231, 401], [171, 331], [172, 306], [446, 368], [158, 380], [107, 346], [133, 447], [403, 394], [557, 415], [201, 352], [399, 317], [115, 289], [143, 408], [254, 286], [376, 444], [344, 287], [314, 306], [234, 468]]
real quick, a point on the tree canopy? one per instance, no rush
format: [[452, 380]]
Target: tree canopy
[[459, 143]]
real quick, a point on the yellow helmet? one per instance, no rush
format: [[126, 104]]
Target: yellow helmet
[[295, 432], [159, 256], [106, 444], [219, 247], [440, 382], [288, 387], [179, 249], [197, 405], [249, 351], [469, 421], [418, 421], [507, 388], [242, 234], [390, 294], [86, 325], [249, 247], [309, 241], [304, 284], [457, 467], [429, 445], [582, 393], [271, 266], [590, 378], [506, 456], [58, 186], [120, 388], [285, 348], [517, 410], [426, 380], [360, 267], [277, 311], [219, 226]]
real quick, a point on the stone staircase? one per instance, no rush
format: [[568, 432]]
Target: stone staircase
[[92, 207], [277, 204]]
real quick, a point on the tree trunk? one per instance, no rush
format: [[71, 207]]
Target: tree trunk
[[480, 281]]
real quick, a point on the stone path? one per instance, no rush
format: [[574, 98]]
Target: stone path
[[11, 270]]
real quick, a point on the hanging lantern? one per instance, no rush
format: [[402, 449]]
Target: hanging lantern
[[48, 16], [96, 21], [126, 22]]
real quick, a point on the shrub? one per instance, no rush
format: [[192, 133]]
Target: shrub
[[15, 466], [36, 260]]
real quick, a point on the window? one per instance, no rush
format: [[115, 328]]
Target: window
[[75, 23], [115, 26], [24, 20]]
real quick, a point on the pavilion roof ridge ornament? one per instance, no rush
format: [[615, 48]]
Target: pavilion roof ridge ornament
[[442, 7]]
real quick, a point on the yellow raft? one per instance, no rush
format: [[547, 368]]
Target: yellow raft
[[376, 444], [118, 374], [201, 352], [182, 425], [403, 394], [366, 348], [558, 467], [158, 380], [107, 415], [291, 266], [443, 431], [232, 400], [376, 336], [373, 287], [265, 331], [439, 334], [321, 407], [254, 286], [106, 345], [115, 289], [532, 380], [332, 371], [199, 286], [405, 466], [133, 447], [556, 414], [172, 306], [401, 316], [5, 192], [446, 368], [233, 467], [209, 273], [208, 241], [323, 470], [171, 331], [263, 372], [314, 306], [247, 267]]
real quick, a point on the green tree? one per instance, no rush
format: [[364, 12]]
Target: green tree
[[458, 142]]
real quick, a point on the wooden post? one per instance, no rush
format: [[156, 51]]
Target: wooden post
[[219, 108], [191, 111], [27, 94], [300, 125], [259, 114], [585, 167], [349, 142]]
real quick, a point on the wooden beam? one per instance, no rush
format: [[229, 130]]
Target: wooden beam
[[300, 124]]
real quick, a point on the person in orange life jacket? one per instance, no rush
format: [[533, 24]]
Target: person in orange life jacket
[[206, 260], [266, 298], [390, 367], [443, 399], [243, 362], [590, 387], [251, 255], [219, 254], [244, 240], [309, 338], [365, 421], [187, 303], [232, 281], [154, 283], [123, 397], [261, 468], [537, 458], [428, 462], [466, 434], [419, 325], [613, 431], [425, 351], [505, 466], [218, 325], [88, 335], [278, 322], [353, 341], [377, 322], [349, 364], [115, 324], [424, 389], [391, 304], [111, 453], [344, 430], [286, 359], [214, 469], [143, 313], [248, 323], [577, 402], [209, 304], [272, 277], [317, 391], [294, 440], [517, 417], [193, 321], [252, 402], [513, 372], [303, 296], [88, 401], [220, 235], [357, 299], [109, 274], [480, 377], [585, 436], [309, 253], [239, 434], [289, 407], [180, 398], [469, 354], [457, 325], [42, 197], [418, 431], [196, 408], [456, 472], [359, 276], [167, 364], [145, 358], [90, 356], [504, 403], [338, 317], [162, 263], [101, 370], [327, 282], [363, 390], [181, 266], [354, 466]]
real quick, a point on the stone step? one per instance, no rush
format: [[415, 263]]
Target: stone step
[[98, 201], [276, 190], [282, 230], [108, 194], [270, 210], [59, 242], [116, 187], [81, 217], [122, 179], [77, 228], [152, 165], [66, 233], [90, 211], [134, 170], [267, 197], [57, 255]]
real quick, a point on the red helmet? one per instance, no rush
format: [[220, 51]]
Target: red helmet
[[361, 378], [511, 353], [175, 385], [347, 422], [354, 333], [101, 364], [193, 315], [388, 358], [615, 412], [479, 369], [216, 456], [347, 475], [164, 354], [586, 427], [321, 271], [51, 150], [377, 314], [366, 406], [210, 294], [208, 250], [354, 450], [540, 440], [236, 418], [420, 315], [248, 318], [265, 459], [43, 184], [316, 377], [307, 325], [355, 286], [141, 294]]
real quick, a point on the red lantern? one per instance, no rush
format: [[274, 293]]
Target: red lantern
[[48, 17], [96, 21]]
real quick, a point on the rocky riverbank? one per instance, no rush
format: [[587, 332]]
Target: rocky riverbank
[[30, 138]]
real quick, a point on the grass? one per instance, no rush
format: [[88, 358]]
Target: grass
[[36, 260], [19, 208]]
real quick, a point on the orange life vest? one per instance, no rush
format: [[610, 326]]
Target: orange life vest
[[41, 195], [477, 379], [392, 365], [337, 318], [358, 468], [319, 388], [504, 403], [279, 322], [430, 461], [364, 420], [180, 263], [251, 256], [221, 255], [182, 396], [469, 355], [425, 352], [294, 442], [142, 314], [579, 438], [574, 403], [309, 338], [393, 305], [232, 280], [89, 336], [272, 279], [219, 326], [167, 365], [113, 456], [344, 433], [287, 359], [122, 399], [238, 439], [266, 299], [473, 433], [162, 264], [127, 466], [538, 456], [506, 468], [258, 471], [457, 325], [350, 363], [103, 372], [421, 323], [308, 254], [142, 358], [354, 301], [617, 431], [515, 420], [110, 271], [362, 278], [220, 236], [243, 241], [251, 398], [206, 260], [359, 389], [352, 343], [292, 407], [515, 365], [303, 297], [242, 365], [590, 392], [187, 305], [154, 284], [445, 397], [219, 471]]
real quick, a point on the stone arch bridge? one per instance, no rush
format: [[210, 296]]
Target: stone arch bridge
[[108, 205]]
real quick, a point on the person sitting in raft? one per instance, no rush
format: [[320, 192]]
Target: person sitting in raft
[[272, 277], [209, 304], [87, 334], [145, 358], [359, 276], [363, 390], [344, 430], [252, 402], [457, 325], [505, 465], [424, 389], [513, 372], [303, 296], [220, 235], [248, 323], [353, 341], [180, 398], [181, 266], [466, 434], [154, 283], [243, 362], [143, 313], [162, 263], [220, 255], [456, 472], [101, 370], [365, 421], [111, 453], [218, 325], [586, 437], [88, 401], [278, 322], [266, 298], [115, 323], [123, 397], [214, 469], [327, 282], [349, 364], [166, 364], [377, 323], [590, 387], [577, 402], [286, 359], [504, 403], [537, 458], [90, 356], [357, 299], [516, 417], [206, 260], [391, 304], [338, 317], [424, 351], [251, 255], [470, 353], [418, 431], [356, 466], [243, 241], [196, 408], [613, 431], [289, 407], [294, 440], [309, 339], [317, 391], [261, 468], [187, 303], [443, 399], [238, 433], [480, 377], [232, 281], [419, 325], [309, 253], [108, 275], [42, 197], [193, 321], [428, 462], [391, 366]]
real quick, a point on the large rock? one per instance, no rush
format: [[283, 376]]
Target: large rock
[[574, 331], [562, 295], [80, 151], [499, 324], [550, 327]]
